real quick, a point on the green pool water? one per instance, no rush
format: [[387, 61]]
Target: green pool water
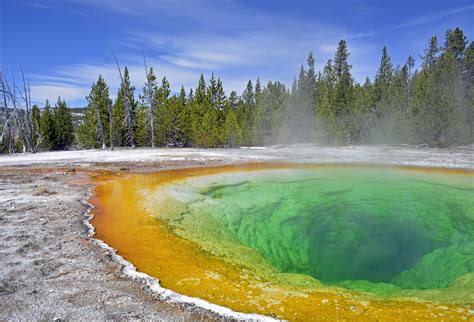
[[380, 230]]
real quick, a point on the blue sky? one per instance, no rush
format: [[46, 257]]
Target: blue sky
[[63, 45]]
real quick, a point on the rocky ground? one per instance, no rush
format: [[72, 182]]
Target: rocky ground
[[50, 268], [389, 155]]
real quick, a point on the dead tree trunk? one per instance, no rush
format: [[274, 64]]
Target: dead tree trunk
[[16, 119], [28, 120], [19, 126], [111, 125], [7, 125], [100, 128], [4, 125]]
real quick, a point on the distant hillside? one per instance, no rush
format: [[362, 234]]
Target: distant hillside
[[77, 115]]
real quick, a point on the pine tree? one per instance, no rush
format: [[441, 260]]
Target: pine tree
[[341, 64], [95, 129], [188, 119], [248, 96], [118, 116], [440, 116], [231, 129], [397, 124], [310, 75], [220, 102], [124, 112], [468, 73], [196, 106], [174, 121], [327, 87], [36, 122], [301, 108], [161, 111], [272, 117], [129, 109], [207, 133], [257, 138], [233, 99], [87, 131], [431, 52], [246, 114], [64, 130], [301, 82], [200, 90], [365, 110], [48, 128], [186, 116], [407, 80], [215, 99], [211, 91], [148, 102], [311, 95], [343, 96], [383, 78], [455, 43], [142, 132], [469, 63], [182, 96]]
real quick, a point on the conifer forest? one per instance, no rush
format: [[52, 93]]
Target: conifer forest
[[431, 105]]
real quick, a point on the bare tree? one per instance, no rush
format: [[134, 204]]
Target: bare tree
[[111, 125], [28, 119], [12, 125], [7, 116], [4, 111], [39, 136], [15, 118], [19, 128]]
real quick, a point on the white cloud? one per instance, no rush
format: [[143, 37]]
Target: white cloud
[[41, 93], [235, 59], [186, 62], [433, 17], [74, 82], [246, 50], [235, 41], [39, 5]]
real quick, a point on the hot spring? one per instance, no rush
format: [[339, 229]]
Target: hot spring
[[297, 241]]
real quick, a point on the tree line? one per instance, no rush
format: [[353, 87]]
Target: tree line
[[432, 105], [23, 127]]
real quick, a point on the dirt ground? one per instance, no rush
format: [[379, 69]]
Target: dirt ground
[[50, 268]]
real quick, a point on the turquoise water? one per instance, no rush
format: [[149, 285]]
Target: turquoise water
[[361, 228]]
